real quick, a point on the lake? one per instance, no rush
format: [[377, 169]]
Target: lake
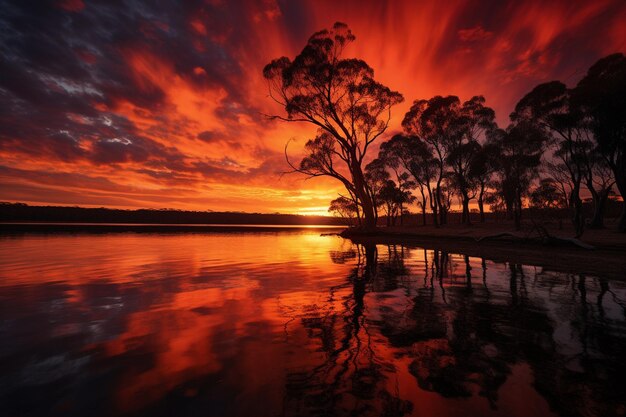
[[293, 323]]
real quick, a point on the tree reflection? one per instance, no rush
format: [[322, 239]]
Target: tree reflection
[[351, 378], [463, 336]]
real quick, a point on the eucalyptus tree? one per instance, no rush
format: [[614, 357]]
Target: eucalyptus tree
[[405, 185], [415, 157], [602, 95], [340, 97], [550, 106], [599, 179], [546, 195], [481, 170], [345, 208], [473, 121], [376, 177], [436, 122], [559, 174], [392, 198], [521, 147]]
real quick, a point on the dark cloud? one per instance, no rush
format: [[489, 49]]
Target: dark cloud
[[213, 137], [474, 34], [208, 136], [54, 63]]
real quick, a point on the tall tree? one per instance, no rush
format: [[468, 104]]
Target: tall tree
[[341, 98], [376, 177], [550, 106], [602, 93], [521, 147], [415, 157], [599, 179], [393, 198], [559, 174], [481, 170], [435, 122], [473, 120]]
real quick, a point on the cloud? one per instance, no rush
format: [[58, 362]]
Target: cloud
[[474, 34]]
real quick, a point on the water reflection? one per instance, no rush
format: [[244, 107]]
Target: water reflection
[[291, 323]]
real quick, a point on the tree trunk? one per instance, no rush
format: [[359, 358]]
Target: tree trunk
[[508, 202], [599, 205], [481, 207], [620, 181], [423, 204], [358, 214], [369, 218], [595, 197], [433, 206], [367, 205], [465, 217], [577, 205], [442, 213], [621, 226], [517, 212], [440, 208]]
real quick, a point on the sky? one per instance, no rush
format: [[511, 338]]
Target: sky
[[162, 104]]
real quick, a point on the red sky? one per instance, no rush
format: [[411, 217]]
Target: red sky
[[106, 104]]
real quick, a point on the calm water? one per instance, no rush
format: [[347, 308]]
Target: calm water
[[293, 323]]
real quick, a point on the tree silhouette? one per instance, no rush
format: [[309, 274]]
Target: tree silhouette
[[414, 157], [341, 98], [473, 120], [393, 199], [345, 208], [602, 94], [436, 122], [376, 177], [481, 170], [521, 146], [546, 195], [599, 179], [550, 107]]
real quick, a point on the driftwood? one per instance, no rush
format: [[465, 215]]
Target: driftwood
[[544, 237]]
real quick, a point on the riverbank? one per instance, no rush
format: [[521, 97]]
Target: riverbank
[[608, 258]]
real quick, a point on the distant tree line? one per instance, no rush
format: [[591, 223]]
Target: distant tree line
[[19, 212], [560, 141]]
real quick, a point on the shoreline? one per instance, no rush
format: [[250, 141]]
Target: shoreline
[[607, 259]]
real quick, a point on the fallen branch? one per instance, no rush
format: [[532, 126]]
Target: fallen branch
[[499, 235]]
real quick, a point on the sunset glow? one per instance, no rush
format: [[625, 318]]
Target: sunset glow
[[166, 106]]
